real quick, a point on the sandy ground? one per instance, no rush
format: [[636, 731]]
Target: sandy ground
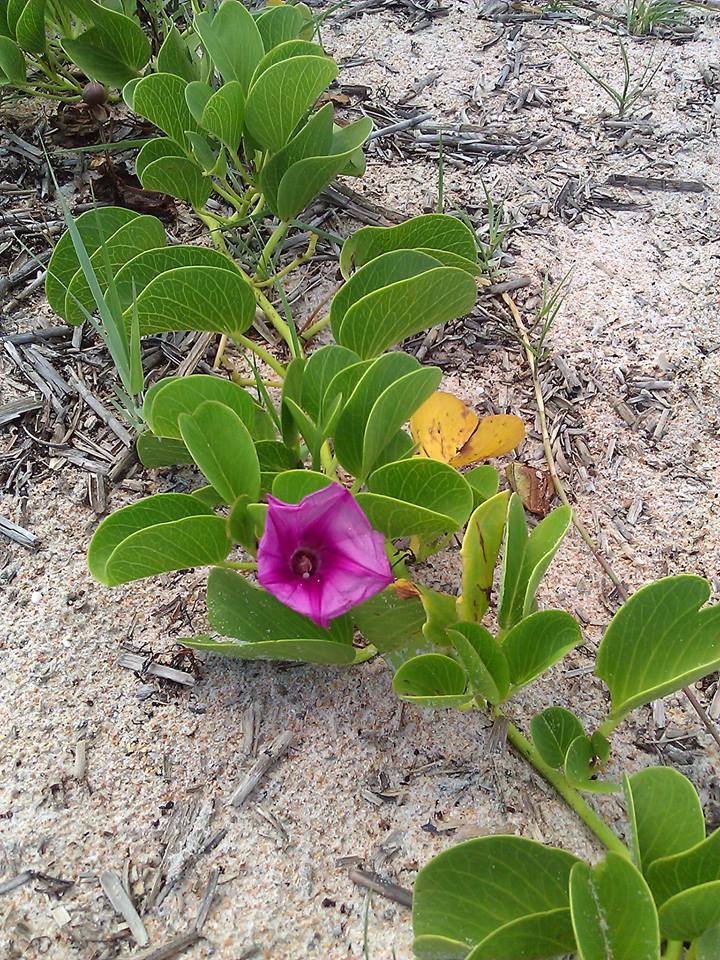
[[366, 781]]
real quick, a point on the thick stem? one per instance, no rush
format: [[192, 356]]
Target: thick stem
[[275, 319], [232, 565], [569, 794], [316, 327], [673, 950]]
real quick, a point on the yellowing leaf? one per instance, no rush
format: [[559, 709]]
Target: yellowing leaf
[[446, 429]]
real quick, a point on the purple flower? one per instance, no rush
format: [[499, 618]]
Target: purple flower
[[321, 557]]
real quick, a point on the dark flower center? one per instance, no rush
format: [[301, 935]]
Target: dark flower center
[[304, 563]]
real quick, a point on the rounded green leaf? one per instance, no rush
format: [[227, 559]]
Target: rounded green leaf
[[159, 509], [484, 481], [537, 642], [30, 26], [432, 680], [665, 828], [437, 233], [232, 40], [274, 458], [474, 891], [292, 485], [483, 660], [139, 234], [167, 399], [178, 177], [12, 62], [659, 642], [240, 610], [320, 369], [416, 497], [137, 273], [689, 914], [114, 39], [613, 913], [700, 864], [156, 452], [280, 24], [160, 98], [391, 619], [302, 651], [553, 731], [580, 767], [95, 228], [174, 57], [195, 541], [196, 298], [224, 113], [539, 935], [222, 447], [280, 96], [159, 148], [286, 51]]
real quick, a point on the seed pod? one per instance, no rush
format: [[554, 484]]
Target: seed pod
[[94, 94]]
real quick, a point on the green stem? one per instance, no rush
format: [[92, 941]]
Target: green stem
[[275, 238], [367, 653], [327, 461], [266, 357], [673, 950], [316, 327], [215, 230], [231, 565], [569, 794], [275, 319]]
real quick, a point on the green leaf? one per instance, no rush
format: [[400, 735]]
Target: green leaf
[[668, 827], [416, 497], [195, 541], [499, 891], [161, 451], [159, 148], [232, 40], [178, 177], [484, 481], [527, 558], [30, 26], [174, 57], [162, 508], [613, 913], [137, 273], [281, 95], [291, 390], [141, 233], [115, 34], [393, 311], [292, 485], [432, 680], [436, 233], [305, 179], [707, 946], [699, 865], [658, 642], [387, 394], [12, 62], [480, 548], [160, 98], [274, 458], [580, 767], [286, 51], [314, 139], [279, 24], [391, 619], [167, 399], [197, 298], [95, 227], [553, 731], [197, 95], [537, 642], [320, 369], [267, 628], [222, 447], [224, 113], [483, 660], [689, 914]]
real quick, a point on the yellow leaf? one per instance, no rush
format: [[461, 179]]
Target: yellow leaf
[[446, 429]]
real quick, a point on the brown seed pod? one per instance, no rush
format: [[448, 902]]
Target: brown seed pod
[[94, 94]]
